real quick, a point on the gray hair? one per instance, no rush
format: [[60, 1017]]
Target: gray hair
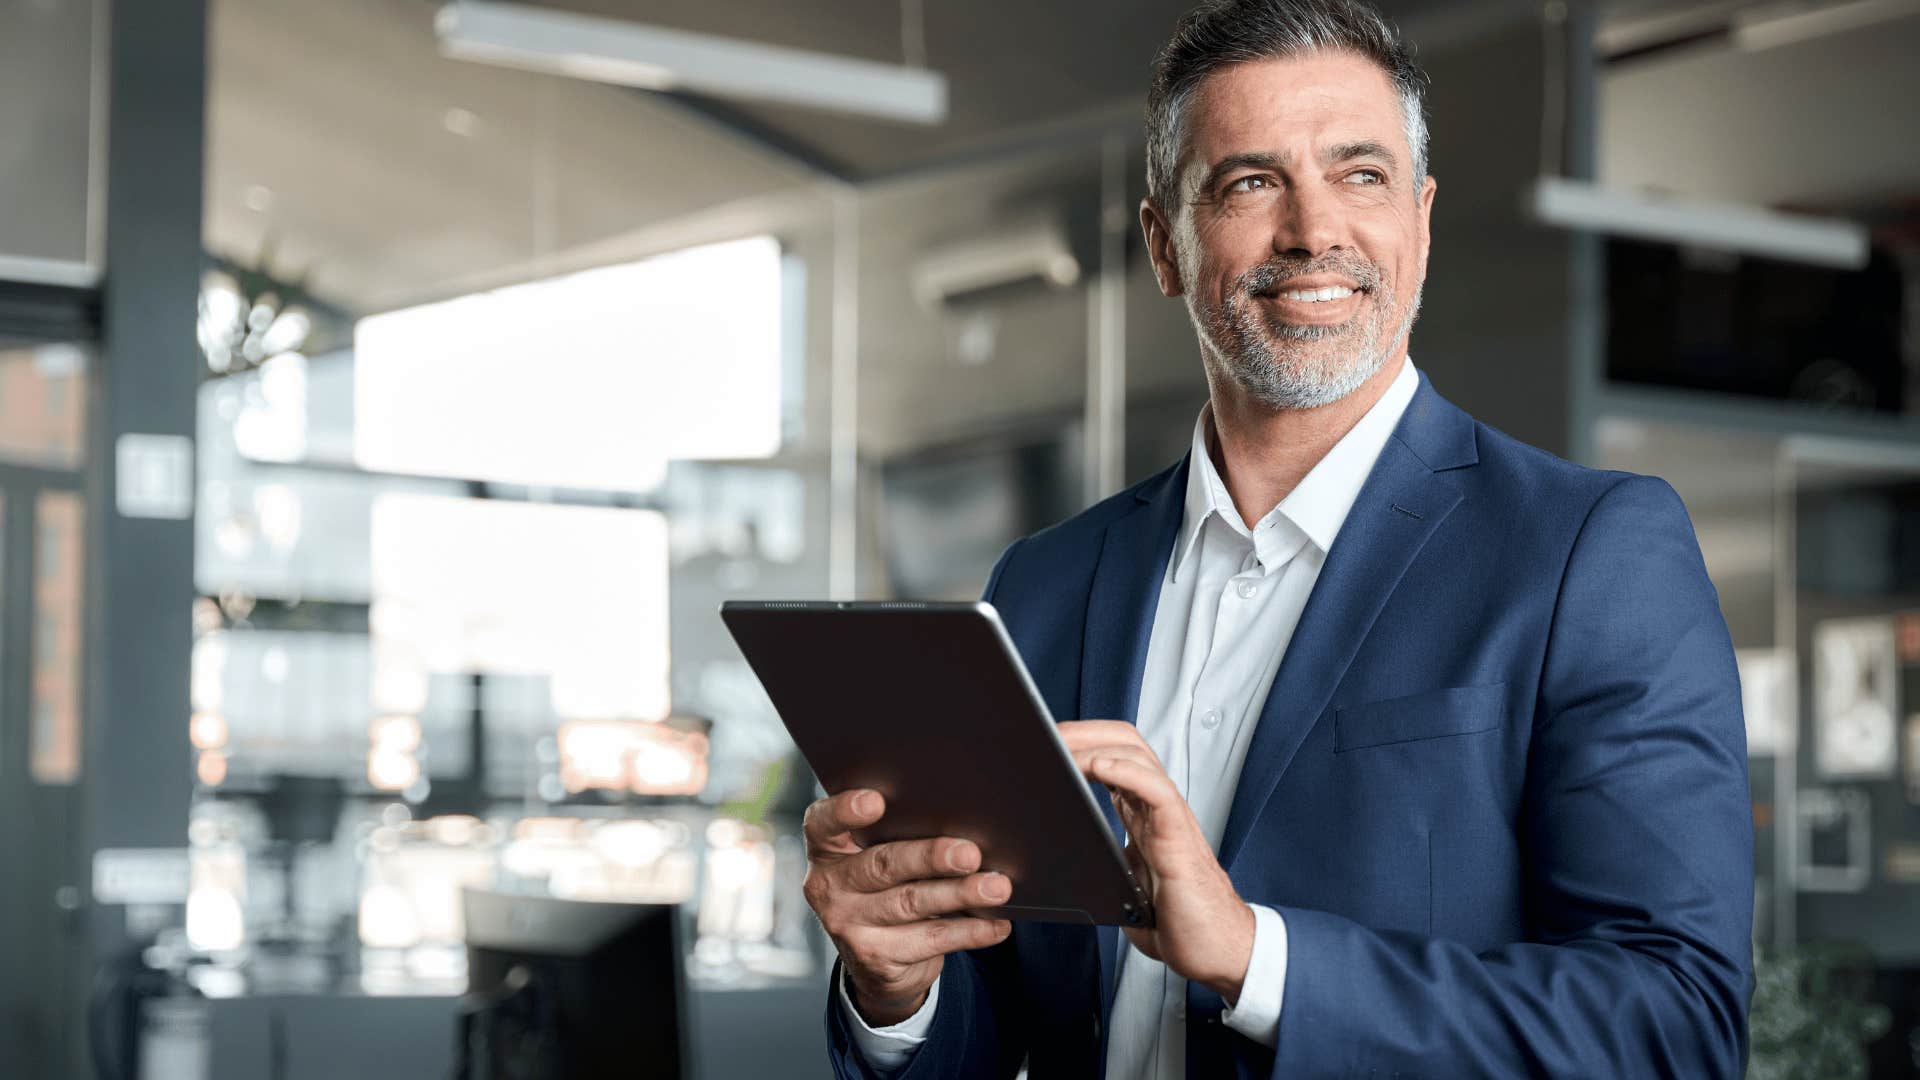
[[1222, 32]]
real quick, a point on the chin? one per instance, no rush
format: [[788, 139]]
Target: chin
[[1305, 375]]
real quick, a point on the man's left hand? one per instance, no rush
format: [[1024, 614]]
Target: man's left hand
[[1203, 930]]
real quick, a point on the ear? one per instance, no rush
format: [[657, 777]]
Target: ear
[[1426, 220], [1159, 233]]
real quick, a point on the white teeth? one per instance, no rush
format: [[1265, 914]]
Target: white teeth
[[1334, 292]]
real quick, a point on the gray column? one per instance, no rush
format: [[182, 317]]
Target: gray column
[[137, 771]]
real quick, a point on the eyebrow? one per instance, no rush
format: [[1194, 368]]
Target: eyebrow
[[1332, 155]]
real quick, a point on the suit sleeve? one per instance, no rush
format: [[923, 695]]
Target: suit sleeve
[[1637, 846], [978, 1029]]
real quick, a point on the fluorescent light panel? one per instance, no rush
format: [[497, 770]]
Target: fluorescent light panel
[[657, 58], [1771, 27], [1747, 230]]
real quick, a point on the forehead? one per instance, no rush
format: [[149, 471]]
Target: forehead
[[1280, 104]]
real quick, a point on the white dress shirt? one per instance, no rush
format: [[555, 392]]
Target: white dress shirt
[[1228, 606]]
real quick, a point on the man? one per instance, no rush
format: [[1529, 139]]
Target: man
[[1428, 743]]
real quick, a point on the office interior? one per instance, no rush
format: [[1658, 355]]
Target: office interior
[[388, 410]]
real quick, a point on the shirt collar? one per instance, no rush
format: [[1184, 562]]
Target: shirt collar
[[1315, 509]]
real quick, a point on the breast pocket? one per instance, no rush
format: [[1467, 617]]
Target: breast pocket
[[1435, 714]]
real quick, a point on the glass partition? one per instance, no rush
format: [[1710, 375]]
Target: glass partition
[[509, 381]]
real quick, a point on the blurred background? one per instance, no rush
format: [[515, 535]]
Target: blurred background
[[391, 391]]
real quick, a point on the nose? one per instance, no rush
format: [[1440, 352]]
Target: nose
[[1308, 221]]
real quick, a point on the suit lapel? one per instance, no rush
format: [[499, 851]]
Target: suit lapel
[[1125, 592], [1120, 609], [1404, 500]]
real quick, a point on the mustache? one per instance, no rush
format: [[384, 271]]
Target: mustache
[[1268, 275]]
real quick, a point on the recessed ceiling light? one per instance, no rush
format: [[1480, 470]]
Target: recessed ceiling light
[[460, 122]]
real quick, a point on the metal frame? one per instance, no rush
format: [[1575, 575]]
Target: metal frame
[[38, 924], [39, 920]]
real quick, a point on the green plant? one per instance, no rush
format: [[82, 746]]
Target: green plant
[[1810, 1018]]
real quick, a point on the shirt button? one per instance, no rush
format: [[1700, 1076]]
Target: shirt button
[[1180, 1011], [1210, 719], [1246, 589]]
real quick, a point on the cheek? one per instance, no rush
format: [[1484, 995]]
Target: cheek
[[1235, 239], [1397, 254]]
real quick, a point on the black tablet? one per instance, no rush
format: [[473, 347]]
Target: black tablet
[[929, 705]]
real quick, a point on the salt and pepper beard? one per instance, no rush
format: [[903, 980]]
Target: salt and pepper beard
[[1294, 375]]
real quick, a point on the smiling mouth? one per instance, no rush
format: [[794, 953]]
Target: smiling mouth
[[1310, 296]]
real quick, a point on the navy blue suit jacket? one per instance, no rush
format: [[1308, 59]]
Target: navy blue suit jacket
[[1498, 791]]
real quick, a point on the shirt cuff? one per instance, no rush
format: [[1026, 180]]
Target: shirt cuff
[[890, 1048], [1257, 1014]]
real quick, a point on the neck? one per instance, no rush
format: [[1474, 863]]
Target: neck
[[1263, 453]]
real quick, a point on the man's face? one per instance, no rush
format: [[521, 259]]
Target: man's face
[[1294, 229]]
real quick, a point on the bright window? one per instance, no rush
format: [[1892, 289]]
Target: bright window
[[591, 380]]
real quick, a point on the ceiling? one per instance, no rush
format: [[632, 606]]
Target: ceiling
[[1010, 64], [346, 154]]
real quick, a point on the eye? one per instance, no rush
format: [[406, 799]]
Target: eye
[[1367, 176], [1246, 183]]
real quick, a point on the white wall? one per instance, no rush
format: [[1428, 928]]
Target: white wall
[[1827, 122]]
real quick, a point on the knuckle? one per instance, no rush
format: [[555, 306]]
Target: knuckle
[[838, 923], [936, 934], [816, 889], [943, 935], [909, 905], [875, 947], [813, 822], [856, 948], [835, 926], [861, 873]]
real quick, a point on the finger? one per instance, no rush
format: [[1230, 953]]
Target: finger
[[922, 941], [1090, 734], [1160, 823], [829, 822], [1130, 776], [884, 866], [922, 900], [1083, 758]]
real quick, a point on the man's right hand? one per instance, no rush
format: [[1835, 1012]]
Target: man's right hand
[[895, 910]]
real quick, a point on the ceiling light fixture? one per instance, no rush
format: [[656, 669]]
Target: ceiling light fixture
[[1748, 230], [1776, 25], [658, 58], [461, 122]]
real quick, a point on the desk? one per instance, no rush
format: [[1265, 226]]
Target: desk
[[770, 1031]]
